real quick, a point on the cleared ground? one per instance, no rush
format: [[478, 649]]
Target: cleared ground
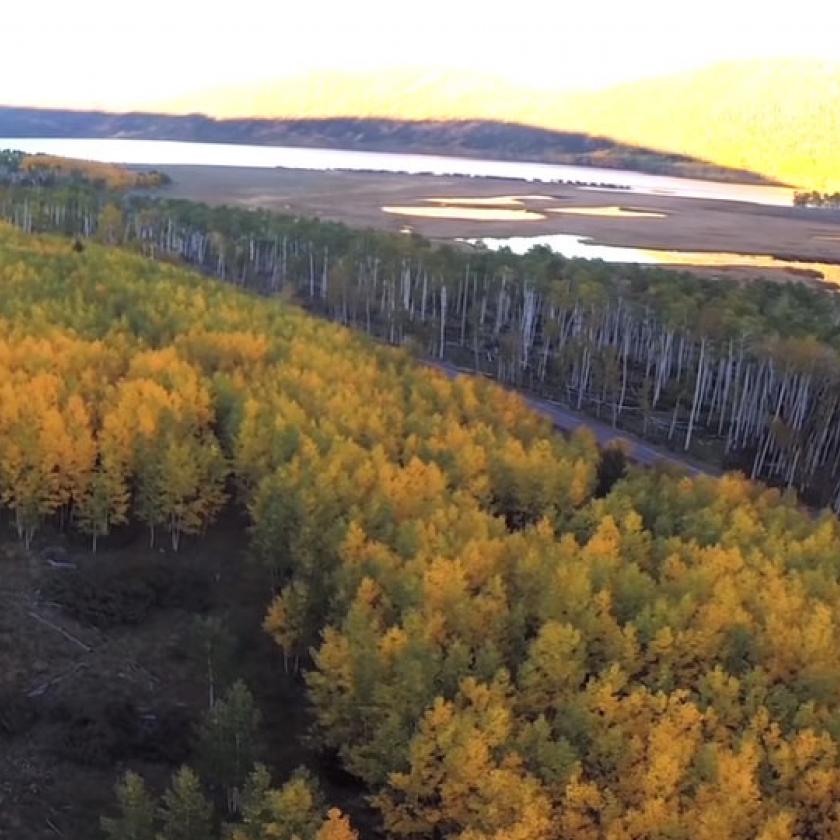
[[99, 674]]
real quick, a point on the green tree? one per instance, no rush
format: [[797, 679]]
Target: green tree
[[213, 645], [255, 812], [103, 505], [227, 747], [294, 812], [136, 820], [186, 813], [111, 224]]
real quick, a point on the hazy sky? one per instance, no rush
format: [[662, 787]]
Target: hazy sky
[[119, 55]]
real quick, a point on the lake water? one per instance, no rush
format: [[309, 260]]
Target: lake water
[[163, 152], [570, 245]]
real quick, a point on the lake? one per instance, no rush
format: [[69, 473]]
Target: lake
[[164, 152], [571, 246]]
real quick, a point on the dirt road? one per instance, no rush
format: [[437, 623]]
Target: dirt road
[[567, 420]]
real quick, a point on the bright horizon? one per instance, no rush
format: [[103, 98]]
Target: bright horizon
[[98, 58]]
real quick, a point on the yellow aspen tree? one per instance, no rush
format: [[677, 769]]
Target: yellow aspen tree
[[336, 827]]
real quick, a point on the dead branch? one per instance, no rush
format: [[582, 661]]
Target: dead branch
[[42, 689]]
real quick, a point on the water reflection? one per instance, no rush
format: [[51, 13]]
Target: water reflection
[[490, 201], [580, 246], [476, 214]]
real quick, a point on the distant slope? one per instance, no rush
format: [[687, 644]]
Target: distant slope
[[777, 117], [469, 138]]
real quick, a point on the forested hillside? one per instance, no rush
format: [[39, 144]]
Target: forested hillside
[[51, 170], [774, 117], [497, 641], [741, 375]]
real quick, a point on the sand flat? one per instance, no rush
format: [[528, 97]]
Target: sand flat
[[690, 224], [477, 214]]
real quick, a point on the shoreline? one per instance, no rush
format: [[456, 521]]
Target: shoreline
[[687, 224], [464, 138]]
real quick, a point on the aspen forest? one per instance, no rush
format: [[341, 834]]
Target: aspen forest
[[49, 170], [739, 375], [494, 640]]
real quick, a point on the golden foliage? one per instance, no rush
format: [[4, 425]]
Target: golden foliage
[[110, 174], [496, 653]]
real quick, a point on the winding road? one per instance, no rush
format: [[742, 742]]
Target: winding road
[[567, 420]]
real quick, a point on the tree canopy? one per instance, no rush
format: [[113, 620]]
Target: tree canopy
[[744, 375], [496, 643]]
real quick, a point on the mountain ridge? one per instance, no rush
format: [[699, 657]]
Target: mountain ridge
[[777, 117], [466, 138]]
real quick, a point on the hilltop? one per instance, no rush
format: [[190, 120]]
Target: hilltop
[[776, 117]]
